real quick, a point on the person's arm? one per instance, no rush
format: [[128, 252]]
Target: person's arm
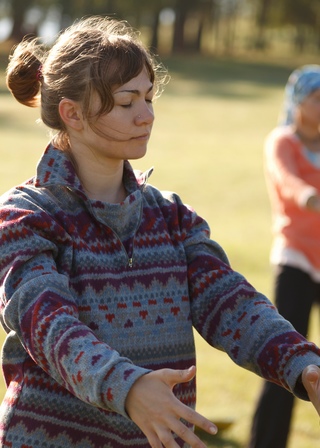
[[231, 315], [37, 304], [281, 155]]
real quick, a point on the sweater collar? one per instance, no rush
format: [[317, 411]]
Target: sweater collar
[[55, 168]]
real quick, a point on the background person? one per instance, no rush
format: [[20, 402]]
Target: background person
[[103, 277], [292, 161]]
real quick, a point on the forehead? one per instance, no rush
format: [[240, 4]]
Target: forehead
[[315, 94], [138, 84]]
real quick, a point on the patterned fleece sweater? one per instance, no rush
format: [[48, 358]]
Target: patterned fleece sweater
[[95, 295]]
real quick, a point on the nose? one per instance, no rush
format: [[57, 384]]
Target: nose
[[146, 116]]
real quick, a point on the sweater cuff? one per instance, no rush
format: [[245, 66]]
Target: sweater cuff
[[294, 371], [116, 387]]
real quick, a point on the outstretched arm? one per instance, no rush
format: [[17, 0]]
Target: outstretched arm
[[311, 382], [152, 405]]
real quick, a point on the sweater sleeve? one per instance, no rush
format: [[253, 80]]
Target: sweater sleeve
[[232, 316], [37, 306]]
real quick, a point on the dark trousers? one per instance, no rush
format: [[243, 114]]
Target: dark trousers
[[295, 293]]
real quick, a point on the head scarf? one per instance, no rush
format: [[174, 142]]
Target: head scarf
[[301, 83]]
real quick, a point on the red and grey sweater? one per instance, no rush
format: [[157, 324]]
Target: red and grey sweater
[[95, 295]]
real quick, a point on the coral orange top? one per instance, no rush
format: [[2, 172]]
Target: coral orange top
[[292, 177]]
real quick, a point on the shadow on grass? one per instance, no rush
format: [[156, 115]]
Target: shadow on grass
[[207, 69], [220, 440], [222, 77]]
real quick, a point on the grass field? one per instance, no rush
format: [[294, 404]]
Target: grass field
[[207, 146]]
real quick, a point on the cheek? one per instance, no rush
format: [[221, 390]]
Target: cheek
[[115, 122], [312, 112], [315, 112]]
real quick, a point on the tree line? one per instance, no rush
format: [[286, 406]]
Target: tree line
[[193, 24]]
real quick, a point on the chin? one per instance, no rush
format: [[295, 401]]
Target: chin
[[138, 154]]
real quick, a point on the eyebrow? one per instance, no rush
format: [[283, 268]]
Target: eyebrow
[[134, 91]]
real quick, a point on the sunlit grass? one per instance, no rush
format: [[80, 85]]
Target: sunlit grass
[[207, 146]]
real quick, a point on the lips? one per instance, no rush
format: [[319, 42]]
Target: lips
[[142, 137]]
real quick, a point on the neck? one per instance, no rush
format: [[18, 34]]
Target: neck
[[106, 187], [101, 181]]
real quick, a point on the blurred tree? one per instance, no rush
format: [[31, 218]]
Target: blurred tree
[[182, 10], [17, 11], [220, 19], [193, 19], [262, 16], [305, 16], [302, 15], [207, 11]]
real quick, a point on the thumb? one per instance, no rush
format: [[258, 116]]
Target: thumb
[[311, 375], [311, 382], [188, 374], [180, 376]]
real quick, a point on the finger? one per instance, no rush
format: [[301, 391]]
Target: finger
[[173, 377], [154, 441], [188, 435], [167, 439], [196, 419]]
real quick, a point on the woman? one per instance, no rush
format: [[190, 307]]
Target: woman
[[103, 277], [292, 160]]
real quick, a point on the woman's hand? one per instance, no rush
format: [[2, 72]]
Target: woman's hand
[[311, 382], [152, 405], [313, 203]]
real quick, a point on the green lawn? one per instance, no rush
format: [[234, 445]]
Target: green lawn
[[207, 146]]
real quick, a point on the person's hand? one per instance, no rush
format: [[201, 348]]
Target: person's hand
[[311, 382], [313, 203], [152, 405]]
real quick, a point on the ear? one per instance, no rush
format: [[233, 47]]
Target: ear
[[71, 114]]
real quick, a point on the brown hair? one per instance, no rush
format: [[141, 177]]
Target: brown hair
[[93, 55]]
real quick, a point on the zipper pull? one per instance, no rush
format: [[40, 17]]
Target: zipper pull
[[130, 262]]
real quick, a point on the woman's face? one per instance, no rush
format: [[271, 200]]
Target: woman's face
[[309, 109], [124, 132]]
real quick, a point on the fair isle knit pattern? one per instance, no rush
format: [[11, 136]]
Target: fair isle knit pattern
[[95, 295]]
